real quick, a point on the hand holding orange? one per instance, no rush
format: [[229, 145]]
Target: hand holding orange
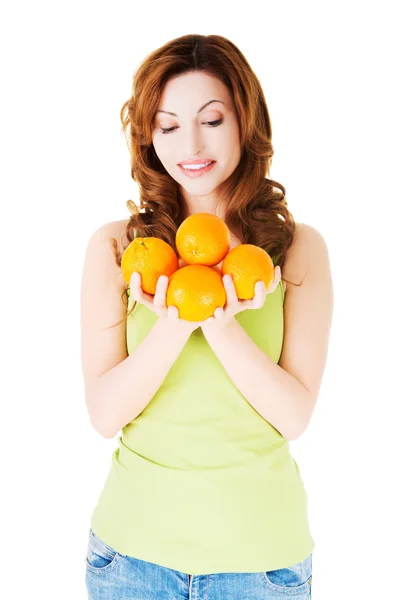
[[247, 264], [197, 291], [195, 284], [151, 257]]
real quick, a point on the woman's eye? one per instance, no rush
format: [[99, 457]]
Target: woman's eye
[[163, 130], [211, 123]]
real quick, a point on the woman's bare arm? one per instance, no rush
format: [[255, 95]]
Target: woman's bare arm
[[117, 386]]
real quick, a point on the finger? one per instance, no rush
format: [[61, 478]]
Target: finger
[[231, 295], [135, 286], [275, 282], [137, 292], [161, 289], [173, 312], [278, 276], [259, 296], [207, 321], [260, 293]]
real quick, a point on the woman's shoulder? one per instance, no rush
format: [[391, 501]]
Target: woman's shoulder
[[305, 241], [114, 229], [100, 248], [117, 228]]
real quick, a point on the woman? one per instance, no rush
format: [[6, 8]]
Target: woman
[[203, 498]]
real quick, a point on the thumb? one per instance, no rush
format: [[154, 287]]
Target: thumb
[[173, 312]]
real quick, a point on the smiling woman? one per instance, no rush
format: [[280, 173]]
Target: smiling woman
[[196, 168], [203, 492], [201, 133], [203, 113]]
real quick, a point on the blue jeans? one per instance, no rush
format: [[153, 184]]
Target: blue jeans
[[114, 576]]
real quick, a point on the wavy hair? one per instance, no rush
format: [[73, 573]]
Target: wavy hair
[[255, 211]]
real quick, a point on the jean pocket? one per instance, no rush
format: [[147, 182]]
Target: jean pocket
[[291, 581], [100, 557]]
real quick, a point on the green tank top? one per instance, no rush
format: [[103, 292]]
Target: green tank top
[[200, 482]]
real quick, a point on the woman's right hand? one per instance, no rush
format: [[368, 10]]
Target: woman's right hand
[[158, 302]]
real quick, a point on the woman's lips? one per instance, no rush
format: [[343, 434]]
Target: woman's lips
[[197, 172]]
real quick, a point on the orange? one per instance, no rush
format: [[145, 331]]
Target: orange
[[248, 264], [202, 239], [151, 257], [216, 268], [196, 290]]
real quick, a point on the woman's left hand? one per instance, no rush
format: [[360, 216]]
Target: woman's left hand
[[224, 316]]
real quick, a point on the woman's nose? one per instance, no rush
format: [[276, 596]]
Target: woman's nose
[[194, 141]]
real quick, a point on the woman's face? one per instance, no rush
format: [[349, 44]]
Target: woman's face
[[192, 137]]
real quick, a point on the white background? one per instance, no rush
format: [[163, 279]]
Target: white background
[[328, 70]]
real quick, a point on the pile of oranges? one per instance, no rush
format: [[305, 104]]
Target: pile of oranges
[[197, 289]]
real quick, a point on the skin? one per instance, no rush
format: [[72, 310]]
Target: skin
[[192, 137], [293, 384]]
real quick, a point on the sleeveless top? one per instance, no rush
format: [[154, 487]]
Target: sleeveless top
[[200, 482]]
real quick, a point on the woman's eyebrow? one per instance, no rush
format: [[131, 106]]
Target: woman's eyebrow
[[199, 111]]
